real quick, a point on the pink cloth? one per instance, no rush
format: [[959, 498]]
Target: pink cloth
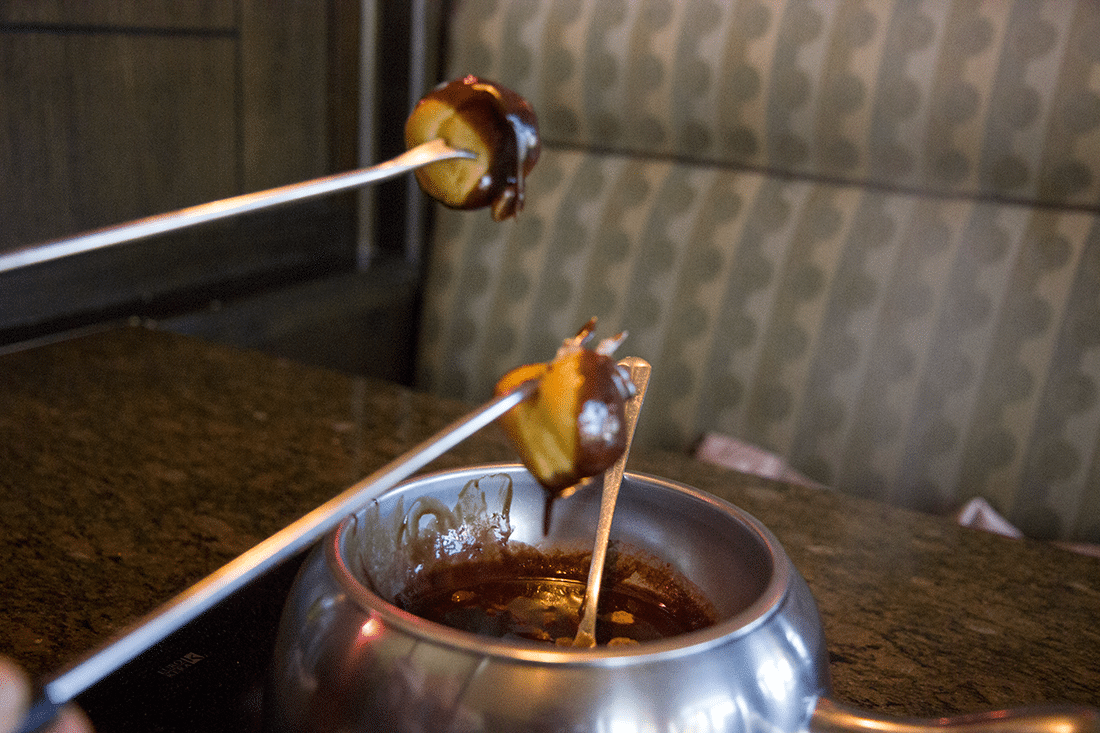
[[729, 452], [722, 450]]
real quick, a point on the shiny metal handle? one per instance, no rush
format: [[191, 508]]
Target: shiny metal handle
[[432, 151], [277, 548], [586, 631], [832, 717]]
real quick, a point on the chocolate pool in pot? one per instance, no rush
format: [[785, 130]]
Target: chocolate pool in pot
[[459, 565], [349, 658], [535, 596]]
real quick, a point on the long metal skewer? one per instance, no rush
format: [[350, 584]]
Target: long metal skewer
[[586, 630], [432, 151], [238, 573]]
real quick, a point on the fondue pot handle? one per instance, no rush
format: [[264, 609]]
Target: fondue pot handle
[[832, 717]]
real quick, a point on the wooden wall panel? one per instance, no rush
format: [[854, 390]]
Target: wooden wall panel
[[283, 109], [142, 13], [112, 110], [105, 128]]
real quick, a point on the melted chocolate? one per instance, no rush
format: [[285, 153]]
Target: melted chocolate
[[537, 597], [574, 426], [508, 127], [601, 418]]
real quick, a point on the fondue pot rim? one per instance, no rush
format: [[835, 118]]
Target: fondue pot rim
[[726, 630]]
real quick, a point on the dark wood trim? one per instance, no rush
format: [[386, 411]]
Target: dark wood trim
[[223, 98]]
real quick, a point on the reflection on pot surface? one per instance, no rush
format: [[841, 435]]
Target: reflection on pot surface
[[749, 658]]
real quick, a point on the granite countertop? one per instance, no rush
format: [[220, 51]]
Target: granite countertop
[[134, 462]]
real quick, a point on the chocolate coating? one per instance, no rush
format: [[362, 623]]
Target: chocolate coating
[[574, 427], [601, 419], [504, 129]]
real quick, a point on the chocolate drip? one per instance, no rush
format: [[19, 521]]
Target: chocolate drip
[[507, 126]]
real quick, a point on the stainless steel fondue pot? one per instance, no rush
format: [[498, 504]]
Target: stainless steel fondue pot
[[348, 660]]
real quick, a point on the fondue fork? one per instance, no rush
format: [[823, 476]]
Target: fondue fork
[[586, 630], [279, 547], [424, 154]]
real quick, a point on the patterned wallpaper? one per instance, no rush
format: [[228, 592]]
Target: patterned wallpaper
[[860, 234], [998, 97]]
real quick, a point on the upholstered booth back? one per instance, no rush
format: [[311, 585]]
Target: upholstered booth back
[[862, 235]]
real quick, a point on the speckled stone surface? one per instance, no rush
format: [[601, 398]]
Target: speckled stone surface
[[134, 462]]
